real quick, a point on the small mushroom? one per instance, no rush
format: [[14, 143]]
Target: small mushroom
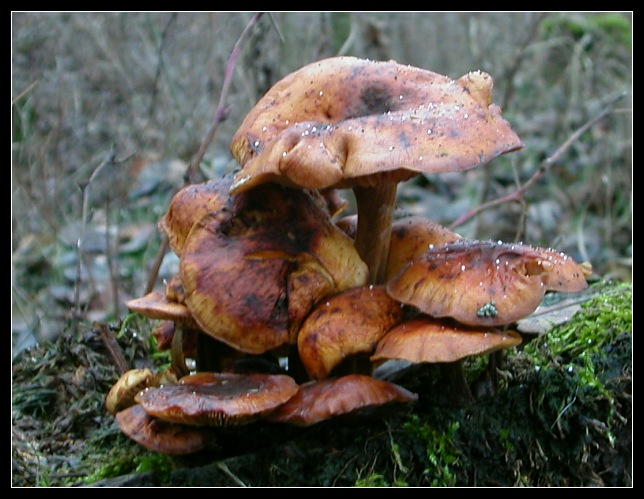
[[432, 340], [345, 325], [161, 436], [122, 393], [484, 282], [348, 122], [155, 305], [353, 394], [218, 399]]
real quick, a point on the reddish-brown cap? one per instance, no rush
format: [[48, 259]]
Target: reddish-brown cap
[[161, 436], [323, 399], [344, 325], [251, 273], [484, 282], [339, 121], [218, 399], [438, 340]]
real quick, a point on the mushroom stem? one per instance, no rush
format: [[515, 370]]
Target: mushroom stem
[[176, 353], [375, 206], [454, 376]]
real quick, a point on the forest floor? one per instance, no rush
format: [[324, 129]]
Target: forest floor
[[561, 416]]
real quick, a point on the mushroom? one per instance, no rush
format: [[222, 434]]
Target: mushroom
[[426, 339], [345, 325], [353, 394], [484, 282], [122, 393], [161, 436], [218, 399], [253, 271], [347, 122]]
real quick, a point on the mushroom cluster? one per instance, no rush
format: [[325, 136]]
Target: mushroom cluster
[[285, 307]]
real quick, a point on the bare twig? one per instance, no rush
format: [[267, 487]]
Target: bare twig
[[191, 175], [221, 111], [112, 346], [544, 167], [110, 159]]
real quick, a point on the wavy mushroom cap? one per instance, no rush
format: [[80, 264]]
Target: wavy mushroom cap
[[320, 400], [484, 282], [161, 436], [218, 399], [434, 340], [251, 273], [189, 204], [338, 121], [344, 325]]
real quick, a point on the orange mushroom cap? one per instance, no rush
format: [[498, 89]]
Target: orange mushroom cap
[[122, 393], [484, 282], [338, 121], [343, 325], [355, 394], [435, 340], [251, 273], [161, 436], [218, 399]]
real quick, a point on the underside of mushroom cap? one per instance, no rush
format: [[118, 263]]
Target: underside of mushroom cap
[[338, 121], [218, 399], [438, 340], [320, 400], [161, 436]]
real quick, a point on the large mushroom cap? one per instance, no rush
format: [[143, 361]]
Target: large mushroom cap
[[161, 436], [484, 282], [343, 325], [432, 340], [320, 400], [218, 399], [252, 272], [338, 121]]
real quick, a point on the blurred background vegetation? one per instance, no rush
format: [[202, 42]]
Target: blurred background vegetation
[[111, 107]]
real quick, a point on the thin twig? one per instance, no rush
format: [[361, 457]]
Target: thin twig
[[221, 111], [544, 167], [110, 159], [112, 346]]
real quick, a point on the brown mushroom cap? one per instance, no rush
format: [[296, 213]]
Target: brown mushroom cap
[[320, 400], [433, 340], [160, 436], [337, 121], [218, 399], [349, 122], [484, 282], [191, 203], [252, 272], [343, 325]]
